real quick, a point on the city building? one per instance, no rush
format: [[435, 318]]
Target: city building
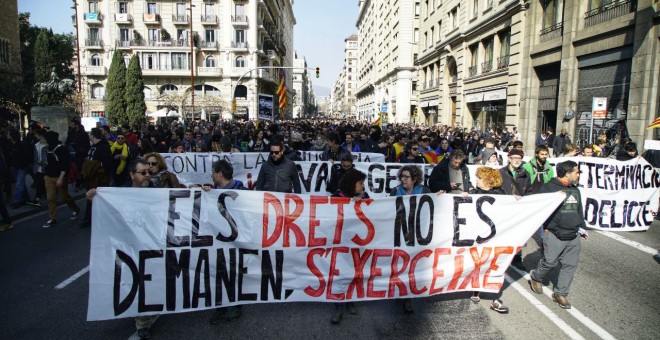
[[387, 45], [345, 86], [229, 38], [301, 86], [581, 50], [10, 47]]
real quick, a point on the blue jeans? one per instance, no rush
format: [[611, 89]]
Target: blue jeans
[[21, 193]]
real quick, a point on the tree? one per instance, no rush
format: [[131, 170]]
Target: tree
[[134, 96], [44, 61], [115, 90]]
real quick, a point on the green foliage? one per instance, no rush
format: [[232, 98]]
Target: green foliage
[[165, 35], [44, 60], [115, 90], [134, 96]]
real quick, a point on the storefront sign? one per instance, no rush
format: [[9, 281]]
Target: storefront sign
[[495, 95], [474, 97]]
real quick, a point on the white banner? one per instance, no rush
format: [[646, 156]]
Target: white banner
[[606, 185], [159, 251]]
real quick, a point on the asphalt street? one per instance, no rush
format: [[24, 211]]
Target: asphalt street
[[614, 295]]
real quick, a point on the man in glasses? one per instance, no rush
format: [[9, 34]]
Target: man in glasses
[[140, 178], [561, 243], [279, 173]]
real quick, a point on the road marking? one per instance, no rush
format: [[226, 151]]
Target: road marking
[[74, 277], [561, 324], [634, 244], [600, 331]]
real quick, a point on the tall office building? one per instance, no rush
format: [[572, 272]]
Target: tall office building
[[230, 37], [387, 44], [301, 86]]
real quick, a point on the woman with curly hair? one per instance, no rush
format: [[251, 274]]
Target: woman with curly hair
[[489, 181], [351, 185], [160, 177]]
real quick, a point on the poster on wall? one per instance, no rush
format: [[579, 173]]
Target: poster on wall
[[265, 106]]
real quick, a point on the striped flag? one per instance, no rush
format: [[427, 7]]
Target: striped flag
[[654, 124], [379, 121], [281, 90]]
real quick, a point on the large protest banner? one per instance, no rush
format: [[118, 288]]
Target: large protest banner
[[156, 251]]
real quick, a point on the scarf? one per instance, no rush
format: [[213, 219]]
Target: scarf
[[416, 190], [124, 151]]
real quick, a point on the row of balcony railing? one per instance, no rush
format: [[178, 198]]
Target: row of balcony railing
[[153, 18], [164, 43]]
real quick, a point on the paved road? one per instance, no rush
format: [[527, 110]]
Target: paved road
[[614, 294]]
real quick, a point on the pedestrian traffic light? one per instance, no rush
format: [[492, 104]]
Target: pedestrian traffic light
[[317, 72]]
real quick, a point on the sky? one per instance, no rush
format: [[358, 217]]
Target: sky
[[319, 34]]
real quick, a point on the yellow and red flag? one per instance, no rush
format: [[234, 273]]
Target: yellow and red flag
[[654, 124], [281, 90], [379, 121]]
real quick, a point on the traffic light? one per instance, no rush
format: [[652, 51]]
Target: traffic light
[[317, 72]]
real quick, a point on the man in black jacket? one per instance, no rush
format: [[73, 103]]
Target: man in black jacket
[[97, 168], [279, 173], [515, 180], [451, 175], [561, 243]]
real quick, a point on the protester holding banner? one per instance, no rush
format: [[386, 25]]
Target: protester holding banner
[[351, 185], [451, 175], [278, 173], [561, 243], [410, 183], [160, 176], [119, 151], [411, 154], [629, 152], [334, 152], [515, 179], [338, 170], [539, 169]]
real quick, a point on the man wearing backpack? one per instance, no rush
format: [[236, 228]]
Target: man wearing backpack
[[55, 178]]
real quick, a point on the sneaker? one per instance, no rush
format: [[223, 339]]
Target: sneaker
[[6, 226], [351, 307], [75, 214], [537, 286], [34, 203], [49, 223], [336, 316], [144, 333], [217, 315], [561, 300], [407, 306], [475, 297], [498, 306]]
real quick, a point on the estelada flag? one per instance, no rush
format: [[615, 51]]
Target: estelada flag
[[379, 121], [432, 157], [654, 124], [281, 90]]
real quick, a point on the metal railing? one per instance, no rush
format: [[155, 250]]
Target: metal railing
[[487, 66], [239, 18], [607, 12], [123, 43], [235, 44], [123, 17], [208, 44], [551, 32], [180, 18], [168, 43], [472, 70], [93, 42], [209, 19], [503, 62]]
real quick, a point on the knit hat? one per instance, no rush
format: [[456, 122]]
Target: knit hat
[[485, 155], [516, 152]]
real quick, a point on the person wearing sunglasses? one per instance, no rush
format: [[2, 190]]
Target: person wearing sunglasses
[[279, 173], [410, 183], [160, 176]]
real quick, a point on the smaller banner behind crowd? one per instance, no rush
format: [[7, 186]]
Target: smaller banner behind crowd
[[157, 251], [616, 195]]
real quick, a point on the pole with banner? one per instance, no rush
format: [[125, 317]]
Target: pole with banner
[[598, 111]]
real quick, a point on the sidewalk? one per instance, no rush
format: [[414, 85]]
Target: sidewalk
[[26, 210]]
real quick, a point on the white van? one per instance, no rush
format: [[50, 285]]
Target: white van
[[90, 122]]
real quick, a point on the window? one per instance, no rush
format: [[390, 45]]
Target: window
[[124, 34], [240, 36], [168, 88], [182, 34], [240, 61], [152, 35], [210, 61], [149, 61], [208, 9], [147, 92], [122, 7], [432, 36], [489, 4], [239, 11], [417, 9], [180, 10], [209, 35], [475, 8], [505, 43], [474, 59], [416, 35], [93, 7], [453, 16], [426, 40], [152, 8], [551, 12], [98, 91], [95, 60], [179, 61], [93, 34], [488, 49]]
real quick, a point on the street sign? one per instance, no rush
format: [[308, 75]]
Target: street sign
[[599, 107], [383, 108]]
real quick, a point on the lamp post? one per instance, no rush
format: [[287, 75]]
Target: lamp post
[[75, 8]]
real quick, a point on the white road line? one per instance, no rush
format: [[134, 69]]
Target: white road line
[[634, 244], [72, 278], [561, 324], [600, 331]]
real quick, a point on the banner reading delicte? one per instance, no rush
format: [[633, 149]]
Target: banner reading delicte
[[158, 251]]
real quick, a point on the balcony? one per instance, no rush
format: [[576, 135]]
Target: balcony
[[503, 62], [208, 45], [151, 19], [487, 66], [239, 20], [240, 45], [167, 70], [95, 70], [168, 43], [272, 55], [123, 18], [549, 33], [73, 20], [94, 44], [123, 44], [608, 12], [94, 18], [265, 75], [209, 71], [180, 19], [472, 71], [209, 20]]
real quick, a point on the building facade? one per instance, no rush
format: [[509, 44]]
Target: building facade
[[229, 38], [386, 78], [580, 50], [10, 47], [301, 86], [345, 85]]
